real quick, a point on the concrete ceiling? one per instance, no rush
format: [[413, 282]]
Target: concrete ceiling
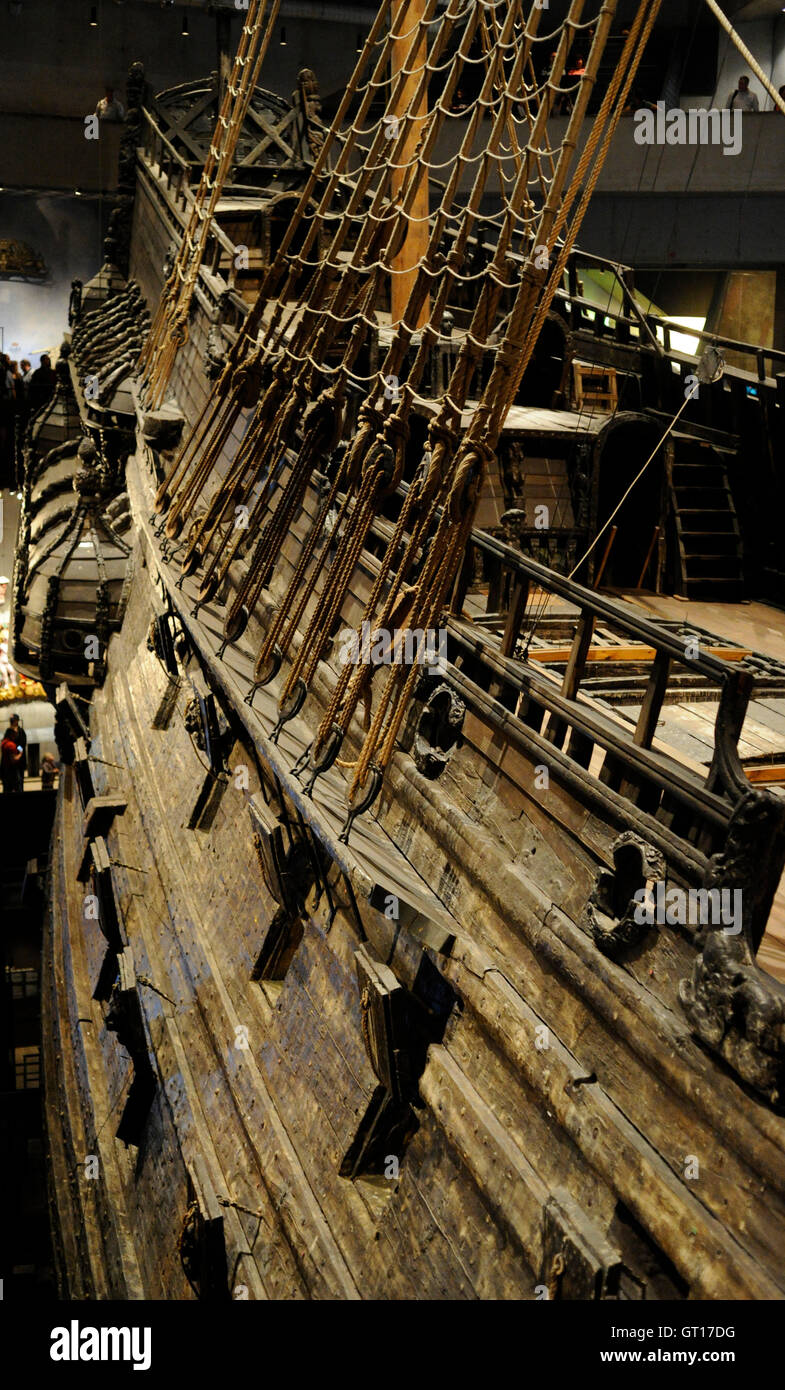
[[673, 12], [754, 9]]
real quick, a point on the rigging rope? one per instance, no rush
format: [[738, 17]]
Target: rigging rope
[[748, 57], [170, 328], [313, 336]]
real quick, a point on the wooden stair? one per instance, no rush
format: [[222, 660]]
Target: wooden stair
[[707, 529]]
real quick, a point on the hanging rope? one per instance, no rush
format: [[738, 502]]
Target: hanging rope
[[748, 57], [308, 356], [170, 328]]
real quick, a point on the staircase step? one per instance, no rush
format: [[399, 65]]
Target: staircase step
[[693, 528], [728, 534], [713, 567], [712, 579], [706, 525], [719, 512]]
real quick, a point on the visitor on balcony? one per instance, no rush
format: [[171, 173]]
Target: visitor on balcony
[[109, 108], [743, 99], [10, 764], [16, 734], [49, 771]]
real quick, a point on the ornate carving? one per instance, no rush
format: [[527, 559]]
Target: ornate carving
[[215, 354], [194, 725], [119, 248], [752, 859], [739, 1012], [438, 731], [19, 262], [611, 909], [312, 110], [733, 1006], [75, 302]]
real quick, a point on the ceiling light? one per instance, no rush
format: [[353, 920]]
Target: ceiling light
[[93, 16]]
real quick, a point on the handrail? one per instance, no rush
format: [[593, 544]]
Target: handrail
[[175, 154], [662, 769], [216, 230], [590, 601], [717, 340]]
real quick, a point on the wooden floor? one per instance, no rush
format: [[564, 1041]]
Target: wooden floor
[[754, 625]]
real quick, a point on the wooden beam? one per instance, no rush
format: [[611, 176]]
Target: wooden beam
[[463, 581], [772, 772], [652, 701], [579, 653], [605, 557], [518, 601], [405, 15], [272, 134], [576, 663], [557, 655], [99, 814], [650, 552]]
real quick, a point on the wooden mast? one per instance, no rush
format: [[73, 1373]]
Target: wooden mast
[[405, 15]]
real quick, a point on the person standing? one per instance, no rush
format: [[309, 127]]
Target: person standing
[[7, 422], [42, 385], [49, 770], [109, 108], [10, 764], [743, 99], [20, 419], [17, 735], [23, 408]]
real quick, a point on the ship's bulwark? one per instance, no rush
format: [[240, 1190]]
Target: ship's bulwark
[[553, 1116]]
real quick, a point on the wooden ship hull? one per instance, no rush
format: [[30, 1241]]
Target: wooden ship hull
[[426, 1051]]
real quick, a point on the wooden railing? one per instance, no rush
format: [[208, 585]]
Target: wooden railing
[[631, 322], [528, 707], [757, 356], [171, 168], [577, 725], [169, 172]]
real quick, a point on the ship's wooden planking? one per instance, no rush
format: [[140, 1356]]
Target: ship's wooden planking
[[319, 1100], [523, 1151]]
